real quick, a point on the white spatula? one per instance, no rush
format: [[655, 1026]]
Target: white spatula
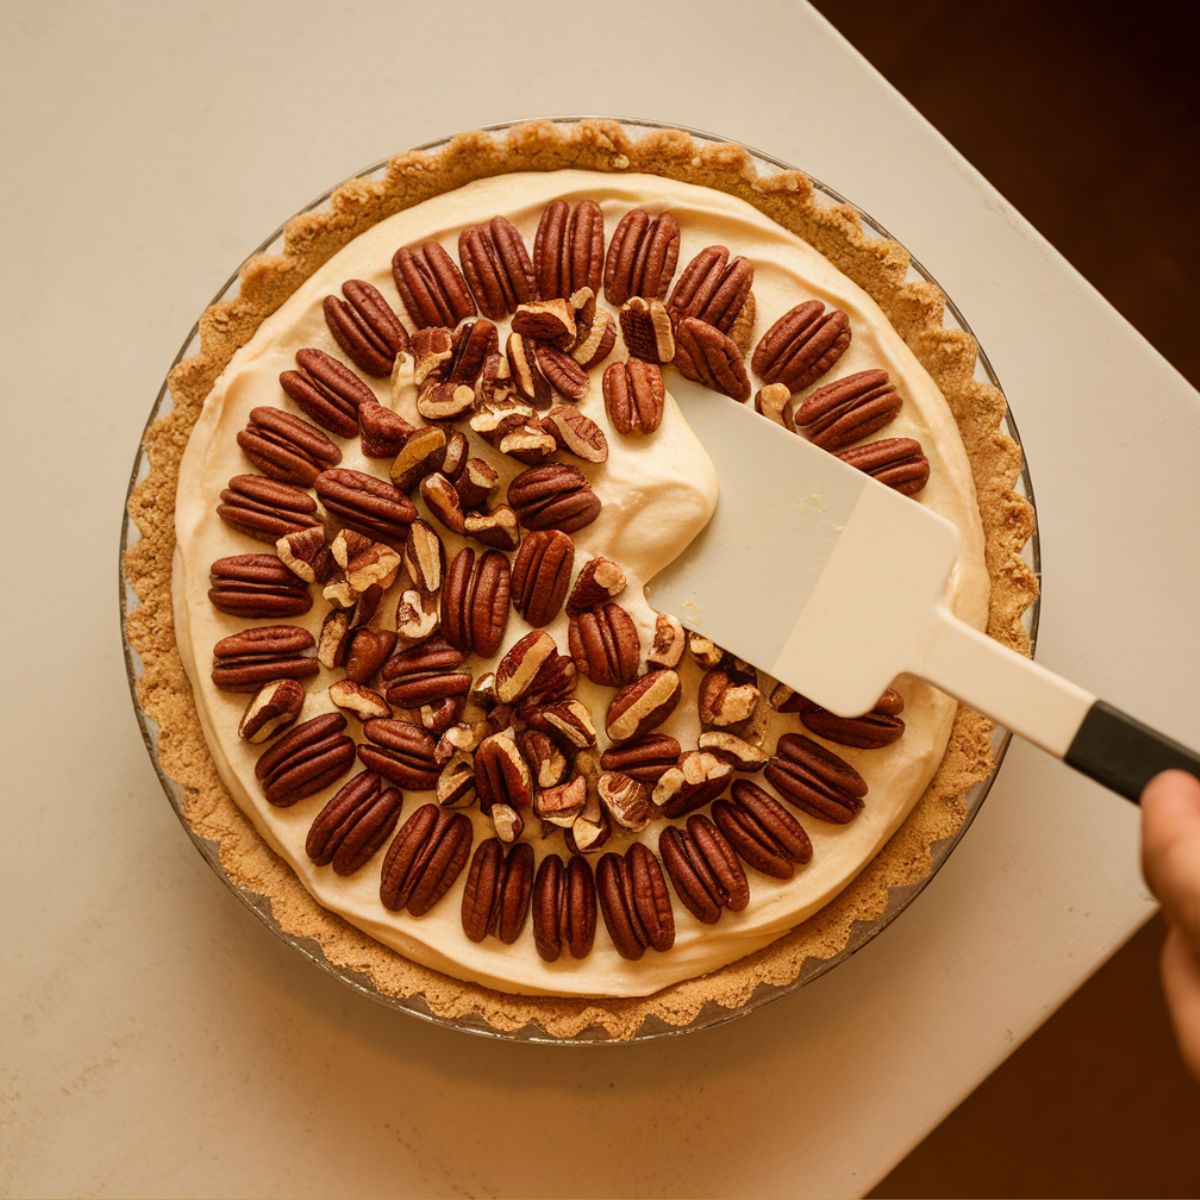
[[834, 584]]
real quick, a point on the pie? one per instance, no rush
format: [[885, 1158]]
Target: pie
[[394, 540]]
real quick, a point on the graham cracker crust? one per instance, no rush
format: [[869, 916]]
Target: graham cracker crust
[[915, 309]]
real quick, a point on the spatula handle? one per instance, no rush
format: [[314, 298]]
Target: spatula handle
[[1053, 713]]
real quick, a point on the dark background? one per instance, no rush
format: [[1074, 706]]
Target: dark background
[[1084, 115]]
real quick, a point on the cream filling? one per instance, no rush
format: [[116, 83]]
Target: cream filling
[[658, 493]]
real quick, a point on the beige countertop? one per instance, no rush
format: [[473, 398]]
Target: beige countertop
[[158, 1040]]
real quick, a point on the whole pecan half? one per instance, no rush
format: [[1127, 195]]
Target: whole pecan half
[[368, 504], [849, 409], [502, 774], [327, 391], [634, 902], [706, 355], [634, 396], [401, 752], [556, 496], [642, 256], [266, 509], [645, 759], [475, 601], [496, 895], [273, 707], [564, 908], [815, 780], [358, 819], [257, 585], [497, 267], [431, 286], [365, 327], [898, 462], [541, 573], [424, 859], [286, 447], [647, 329], [765, 835], [604, 644], [642, 705], [712, 288], [568, 249], [562, 372], [305, 760], [802, 345], [576, 433], [704, 869], [697, 778], [426, 674], [880, 727], [244, 661]]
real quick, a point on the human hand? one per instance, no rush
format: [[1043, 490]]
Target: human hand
[[1171, 863]]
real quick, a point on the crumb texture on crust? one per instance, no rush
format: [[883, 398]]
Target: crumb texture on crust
[[915, 309]]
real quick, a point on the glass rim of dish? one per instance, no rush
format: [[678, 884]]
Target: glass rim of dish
[[653, 1028]]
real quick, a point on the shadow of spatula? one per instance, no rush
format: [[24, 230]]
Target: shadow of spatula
[[834, 584]]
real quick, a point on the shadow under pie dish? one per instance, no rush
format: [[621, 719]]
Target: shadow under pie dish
[[395, 530]]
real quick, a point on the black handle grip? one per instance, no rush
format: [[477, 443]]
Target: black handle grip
[[1123, 754]]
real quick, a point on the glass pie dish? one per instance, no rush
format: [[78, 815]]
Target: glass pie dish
[[710, 1013]]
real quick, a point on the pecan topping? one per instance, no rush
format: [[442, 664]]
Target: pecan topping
[[425, 859], [697, 778], [418, 616], [266, 509], [367, 504], [358, 819], [334, 643], [645, 759], [642, 705], [815, 779], [561, 803], [567, 720], [600, 580], [604, 644], [426, 674], [641, 256], [802, 345], [551, 321], [590, 829], [568, 249], [274, 707], [564, 908], [627, 800], [496, 527], [634, 902], [562, 372], [501, 774], [433, 348], [496, 896], [704, 869], [775, 403], [455, 460], [456, 783], [847, 410], [445, 401], [546, 760], [518, 669], [472, 345], [528, 378], [541, 572], [667, 648], [424, 557], [880, 727], [445, 501], [365, 327], [497, 267], [741, 754], [421, 455], [597, 344], [712, 288], [367, 651], [765, 835], [475, 601], [706, 355], [647, 330], [305, 760], [327, 391], [704, 651], [244, 661], [742, 332], [556, 496], [576, 433], [431, 286], [306, 555], [479, 479], [634, 396], [257, 585], [286, 447], [898, 462], [375, 566], [401, 752], [727, 698]]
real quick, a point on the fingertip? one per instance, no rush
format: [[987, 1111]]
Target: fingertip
[[1173, 794]]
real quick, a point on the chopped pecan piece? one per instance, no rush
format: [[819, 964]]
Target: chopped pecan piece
[[604, 644], [456, 783], [641, 256], [507, 822], [479, 479], [706, 355], [564, 908], [327, 391], [497, 267], [244, 661], [556, 496], [545, 758], [712, 288], [802, 345], [433, 348], [816, 780], [598, 344], [898, 462], [333, 646], [471, 346], [418, 616], [765, 835], [400, 751], [306, 760], [306, 554], [364, 702], [367, 504], [775, 403], [727, 698], [496, 527], [576, 433], [431, 286], [528, 378], [704, 869], [647, 330], [626, 799], [642, 705], [365, 327], [704, 651], [873, 730], [634, 396], [367, 652], [266, 509], [445, 501], [600, 581], [257, 586], [424, 557], [355, 823], [569, 720], [550, 321], [645, 759], [475, 601], [847, 410], [561, 803], [445, 401], [669, 641], [496, 895], [568, 249], [520, 666], [425, 859], [286, 447], [743, 754], [698, 778], [421, 455], [501, 773], [541, 572], [634, 902], [273, 708]]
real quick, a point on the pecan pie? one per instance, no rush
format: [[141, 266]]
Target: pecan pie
[[416, 480]]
